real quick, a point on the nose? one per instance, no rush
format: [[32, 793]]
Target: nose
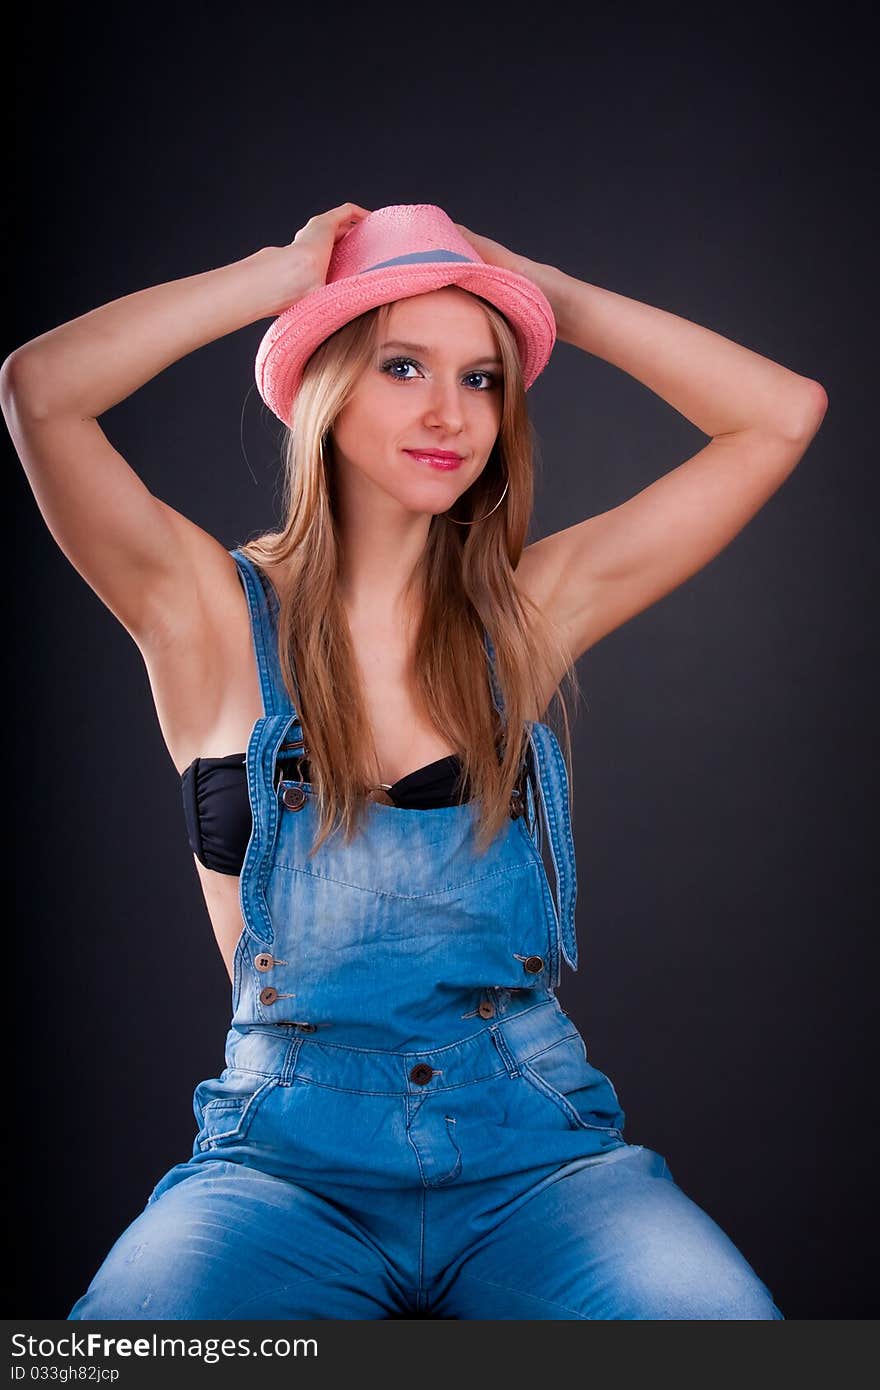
[[445, 406]]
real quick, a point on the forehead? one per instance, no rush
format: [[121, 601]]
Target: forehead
[[449, 314]]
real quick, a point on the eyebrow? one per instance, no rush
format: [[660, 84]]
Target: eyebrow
[[428, 352]]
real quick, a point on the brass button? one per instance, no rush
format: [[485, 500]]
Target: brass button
[[264, 961], [294, 798], [486, 1009], [268, 995], [421, 1073], [533, 964]]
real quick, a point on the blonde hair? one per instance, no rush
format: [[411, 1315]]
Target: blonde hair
[[463, 583]]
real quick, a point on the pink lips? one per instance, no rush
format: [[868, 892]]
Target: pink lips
[[440, 458]]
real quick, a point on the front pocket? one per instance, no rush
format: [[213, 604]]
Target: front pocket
[[585, 1095], [225, 1107]]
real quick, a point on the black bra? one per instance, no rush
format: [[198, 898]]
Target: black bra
[[218, 812]]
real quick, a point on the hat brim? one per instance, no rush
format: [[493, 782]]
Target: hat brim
[[298, 331]]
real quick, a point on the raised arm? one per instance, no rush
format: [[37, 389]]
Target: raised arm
[[144, 560], [597, 574], [136, 552]]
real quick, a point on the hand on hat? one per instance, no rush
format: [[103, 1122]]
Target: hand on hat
[[494, 253], [302, 265], [546, 277], [394, 252], [316, 240]]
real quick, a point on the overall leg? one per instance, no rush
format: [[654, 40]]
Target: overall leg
[[224, 1240], [613, 1240]]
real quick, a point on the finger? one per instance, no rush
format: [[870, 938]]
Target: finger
[[347, 224], [346, 209]]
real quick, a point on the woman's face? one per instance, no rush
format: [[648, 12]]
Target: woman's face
[[446, 396]]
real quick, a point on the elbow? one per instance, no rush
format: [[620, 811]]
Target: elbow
[[23, 385], [804, 413], [9, 374], [12, 375], [815, 406], [820, 398]]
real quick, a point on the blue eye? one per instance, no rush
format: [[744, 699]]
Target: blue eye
[[410, 362]]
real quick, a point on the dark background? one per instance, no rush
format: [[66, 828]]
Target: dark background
[[723, 770]]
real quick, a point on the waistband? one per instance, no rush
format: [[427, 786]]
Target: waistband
[[495, 1047]]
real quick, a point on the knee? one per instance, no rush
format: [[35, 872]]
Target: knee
[[681, 1264], [692, 1273], [119, 1293], [748, 1304], [730, 1294], [743, 1302], [161, 1298], [96, 1307], [113, 1302], [150, 1279]]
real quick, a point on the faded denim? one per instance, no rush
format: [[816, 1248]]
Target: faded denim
[[408, 1121]]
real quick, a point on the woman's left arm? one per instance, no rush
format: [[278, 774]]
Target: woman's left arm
[[595, 575]]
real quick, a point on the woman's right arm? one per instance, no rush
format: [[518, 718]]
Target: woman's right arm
[[143, 559]]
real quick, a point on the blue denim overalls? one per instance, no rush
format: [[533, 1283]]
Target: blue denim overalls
[[408, 1121]]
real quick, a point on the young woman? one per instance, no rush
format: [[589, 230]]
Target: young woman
[[408, 1121]]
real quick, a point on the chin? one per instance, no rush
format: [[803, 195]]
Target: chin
[[429, 501]]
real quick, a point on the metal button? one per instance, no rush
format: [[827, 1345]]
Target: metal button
[[294, 798], [534, 965], [516, 806], [264, 961], [268, 995], [421, 1073], [486, 1009]]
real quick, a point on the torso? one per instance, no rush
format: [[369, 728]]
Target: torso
[[207, 695]]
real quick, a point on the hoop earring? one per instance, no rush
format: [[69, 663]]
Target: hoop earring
[[483, 517]]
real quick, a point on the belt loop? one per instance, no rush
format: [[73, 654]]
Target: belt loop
[[507, 1056], [288, 1068]]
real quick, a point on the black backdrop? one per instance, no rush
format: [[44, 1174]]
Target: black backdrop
[[723, 758]]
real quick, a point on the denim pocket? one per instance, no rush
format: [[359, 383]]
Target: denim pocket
[[225, 1107], [585, 1095]]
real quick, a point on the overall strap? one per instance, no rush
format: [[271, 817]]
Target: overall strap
[[497, 697], [547, 791], [553, 797], [275, 738], [264, 752], [263, 608]]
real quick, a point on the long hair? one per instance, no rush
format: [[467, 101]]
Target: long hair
[[463, 583]]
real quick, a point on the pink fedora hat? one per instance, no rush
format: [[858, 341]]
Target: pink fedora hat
[[398, 251]]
